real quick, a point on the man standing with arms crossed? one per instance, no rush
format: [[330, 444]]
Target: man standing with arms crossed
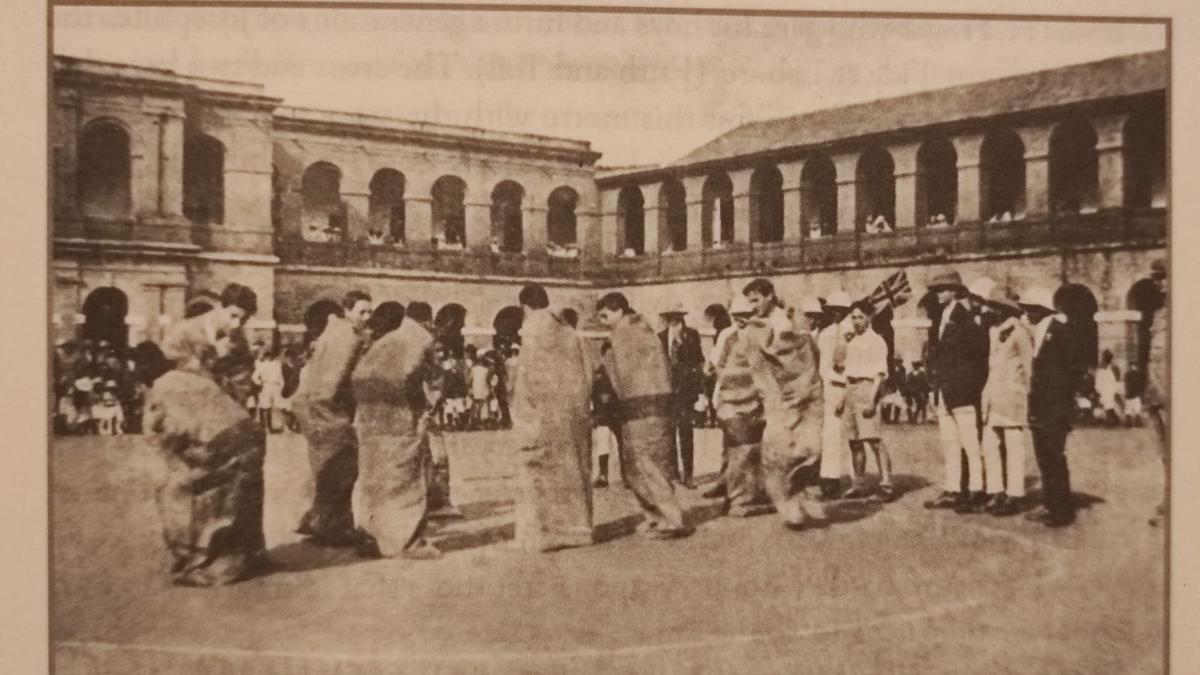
[[685, 358], [958, 354]]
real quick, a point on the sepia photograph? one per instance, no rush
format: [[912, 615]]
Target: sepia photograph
[[392, 338]]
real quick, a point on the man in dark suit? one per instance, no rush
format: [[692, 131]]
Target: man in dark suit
[[958, 367], [1059, 363], [685, 358]]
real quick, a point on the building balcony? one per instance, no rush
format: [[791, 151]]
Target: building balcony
[[142, 230]]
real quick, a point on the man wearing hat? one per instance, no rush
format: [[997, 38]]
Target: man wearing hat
[[1054, 378], [958, 353], [685, 358], [1005, 405], [831, 348]]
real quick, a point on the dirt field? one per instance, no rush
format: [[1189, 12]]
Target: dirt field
[[894, 589]]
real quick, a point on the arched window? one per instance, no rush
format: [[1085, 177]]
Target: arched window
[[507, 220], [876, 188], [937, 182], [449, 213], [1002, 176], [1074, 168], [672, 204], [324, 214], [560, 217], [766, 205], [204, 179], [631, 216], [385, 206], [1145, 150], [716, 214], [818, 197], [104, 171], [104, 312]]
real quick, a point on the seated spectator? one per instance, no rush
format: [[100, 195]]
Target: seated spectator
[[629, 253], [495, 245], [315, 234], [375, 237], [882, 225], [107, 414], [869, 226], [816, 229]]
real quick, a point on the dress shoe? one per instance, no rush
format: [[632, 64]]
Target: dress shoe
[[1010, 507], [887, 493], [856, 492], [715, 492], [972, 504], [601, 482], [421, 550], [946, 500]]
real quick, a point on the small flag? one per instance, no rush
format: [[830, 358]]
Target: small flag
[[893, 292]]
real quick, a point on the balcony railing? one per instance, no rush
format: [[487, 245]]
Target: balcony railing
[[840, 251]]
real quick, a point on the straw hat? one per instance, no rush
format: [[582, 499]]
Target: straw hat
[[1038, 296], [981, 288], [1001, 299], [946, 280], [838, 299]]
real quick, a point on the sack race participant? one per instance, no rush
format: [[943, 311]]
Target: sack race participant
[[391, 417], [637, 368], [740, 412], [324, 406], [783, 362], [211, 496], [552, 424]]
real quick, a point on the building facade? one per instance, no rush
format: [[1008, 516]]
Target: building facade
[[168, 186]]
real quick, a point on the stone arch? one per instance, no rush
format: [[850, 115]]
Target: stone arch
[[875, 187], [204, 179], [449, 322], [507, 325], [507, 220], [818, 197], [561, 227], [105, 169], [1074, 167], [716, 214], [323, 209], [385, 204], [317, 316], [104, 311], [449, 210], [1002, 175], [631, 218], [1146, 297], [672, 205], [766, 205], [1144, 141], [937, 181]]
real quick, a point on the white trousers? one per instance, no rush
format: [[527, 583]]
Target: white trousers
[[1005, 471], [959, 429], [835, 452]]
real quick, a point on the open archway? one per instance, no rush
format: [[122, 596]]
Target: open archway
[[104, 312], [1002, 175], [507, 326], [632, 216], [204, 179], [716, 214], [673, 210], [449, 210], [766, 205], [385, 205], [323, 213], [937, 182], [449, 323], [818, 197], [104, 170], [560, 217], [876, 187], [1074, 168], [508, 225]]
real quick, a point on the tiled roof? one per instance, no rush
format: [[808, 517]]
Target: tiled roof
[[1119, 76]]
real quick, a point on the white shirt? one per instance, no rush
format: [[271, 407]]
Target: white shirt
[[866, 355], [1039, 333], [718, 350], [827, 341], [947, 313]]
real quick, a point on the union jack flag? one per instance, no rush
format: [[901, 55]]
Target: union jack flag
[[893, 292]]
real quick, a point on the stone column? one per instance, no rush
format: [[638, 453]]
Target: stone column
[[533, 222], [1037, 169], [358, 204], [846, 166], [904, 172], [611, 238], [171, 172], [792, 226], [1110, 156], [418, 220], [66, 157], [144, 147], [653, 212], [693, 188], [477, 210], [968, 149], [741, 206]]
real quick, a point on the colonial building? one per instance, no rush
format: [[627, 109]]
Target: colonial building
[[168, 186]]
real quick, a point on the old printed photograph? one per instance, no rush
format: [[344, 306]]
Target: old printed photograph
[[503, 339]]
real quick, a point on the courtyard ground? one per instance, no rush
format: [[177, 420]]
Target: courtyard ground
[[891, 589]]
